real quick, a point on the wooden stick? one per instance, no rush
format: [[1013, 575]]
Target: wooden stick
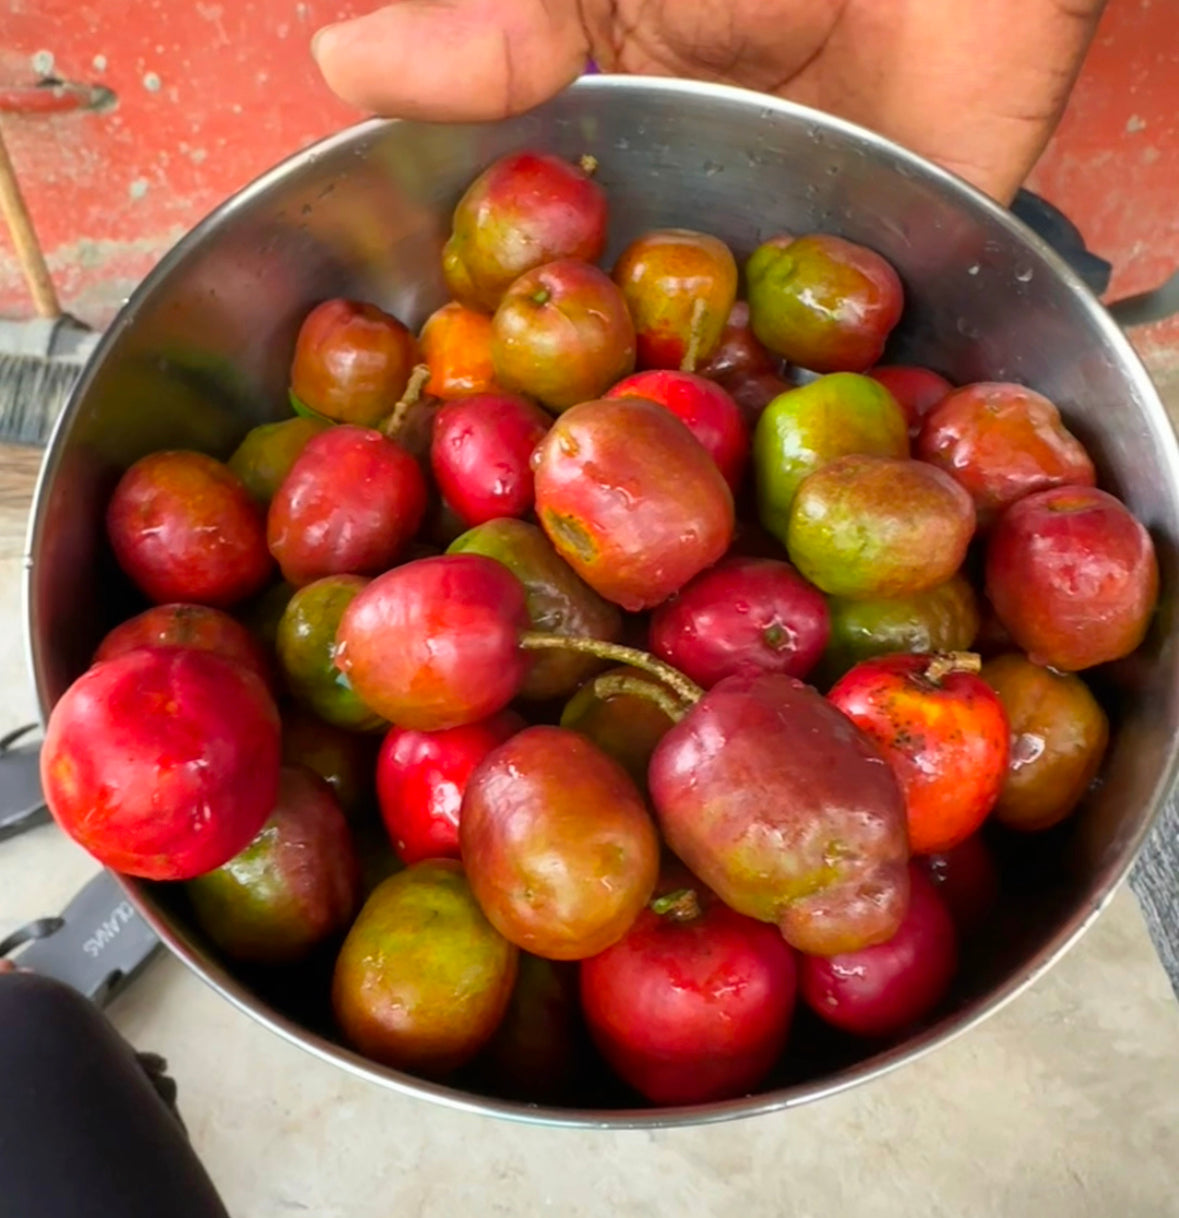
[[24, 238]]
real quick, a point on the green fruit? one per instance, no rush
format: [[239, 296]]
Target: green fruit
[[423, 979], [804, 429], [306, 646], [263, 614], [625, 726], [944, 618], [867, 527], [264, 458], [558, 601], [294, 886]]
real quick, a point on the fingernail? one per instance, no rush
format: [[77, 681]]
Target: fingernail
[[323, 38]]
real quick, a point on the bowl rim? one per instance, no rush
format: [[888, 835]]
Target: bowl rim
[[949, 1027]]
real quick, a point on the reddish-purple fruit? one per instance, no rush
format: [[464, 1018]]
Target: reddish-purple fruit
[[708, 412], [184, 528], [738, 354], [742, 617], [631, 500], [351, 503], [352, 361], [1073, 577], [787, 811], [481, 453], [562, 335], [917, 390], [559, 849], [885, 990], [823, 303], [525, 210], [434, 644], [162, 763], [967, 879], [680, 287], [694, 1004]]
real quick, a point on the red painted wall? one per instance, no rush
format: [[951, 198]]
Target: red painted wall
[[209, 94]]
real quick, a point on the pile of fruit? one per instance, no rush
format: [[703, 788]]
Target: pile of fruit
[[682, 649]]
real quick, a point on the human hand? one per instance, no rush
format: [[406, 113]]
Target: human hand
[[976, 85]]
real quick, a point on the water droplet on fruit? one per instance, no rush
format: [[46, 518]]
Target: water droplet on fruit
[[1024, 274], [973, 270]]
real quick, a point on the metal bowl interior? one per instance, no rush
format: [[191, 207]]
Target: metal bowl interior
[[201, 353]]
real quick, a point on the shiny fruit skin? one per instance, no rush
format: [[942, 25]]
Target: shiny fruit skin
[[884, 990], [197, 626], [352, 361], [265, 456], [808, 427], [707, 411], [692, 1012], [823, 303], [870, 527], [787, 811], [421, 777], [560, 850], [306, 648], [435, 643], [742, 617], [481, 453], [351, 503], [524, 210], [456, 347], [738, 355], [967, 879], [343, 759], [558, 602], [663, 275], [185, 529], [1059, 735], [162, 763], [1002, 442], [562, 335], [626, 727], [917, 390], [631, 500], [942, 618], [294, 886], [946, 738], [754, 393], [423, 979], [1073, 577]]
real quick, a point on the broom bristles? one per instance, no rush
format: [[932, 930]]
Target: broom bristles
[[33, 392]]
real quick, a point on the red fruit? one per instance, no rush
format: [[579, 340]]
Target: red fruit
[[352, 361], [739, 355], [944, 732], [421, 777], [434, 644], [784, 808], [694, 1004], [680, 287], [917, 390], [196, 626], [562, 335], [754, 393], [480, 455], [707, 411], [456, 346], [162, 763], [184, 528], [351, 503], [1073, 577], [631, 500], [521, 212], [967, 878], [884, 990], [1002, 442], [742, 617]]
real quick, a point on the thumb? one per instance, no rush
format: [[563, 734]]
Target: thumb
[[454, 60]]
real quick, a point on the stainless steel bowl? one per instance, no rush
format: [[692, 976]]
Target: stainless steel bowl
[[201, 353]]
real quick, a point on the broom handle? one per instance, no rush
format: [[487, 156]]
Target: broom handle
[[24, 238]]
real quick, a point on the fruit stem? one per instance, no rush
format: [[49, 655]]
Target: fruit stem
[[410, 398], [588, 163], [941, 666], [614, 684], [683, 905], [686, 690], [695, 337]]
